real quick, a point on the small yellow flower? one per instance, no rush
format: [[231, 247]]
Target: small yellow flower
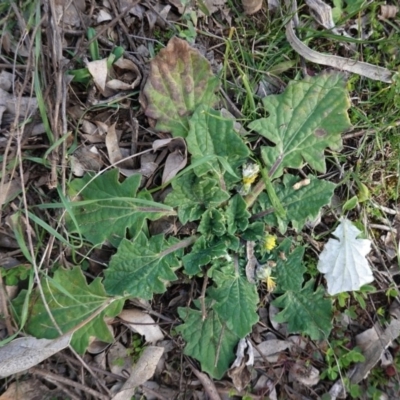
[[269, 242], [249, 175], [271, 284]]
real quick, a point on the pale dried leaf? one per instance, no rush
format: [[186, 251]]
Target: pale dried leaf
[[239, 371], [102, 126], [119, 362], [251, 6], [308, 375], [142, 323], [114, 152], [68, 12], [103, 16], [98, 70], [388, 12], [343, 260], [141, 372], [270, 349], [6, 80], [31, 389], [265, 384], [97, 346], [322, 12], [84, 160], [9, 190], [2, 109], [213, 5], [374, 352], [88, 127], [116, 84], [176, 160], [24, 353]]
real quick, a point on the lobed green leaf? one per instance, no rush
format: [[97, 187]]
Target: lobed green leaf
[[301, 205], [143, 266], [306, 311], [209, 341], [71, 301], [111, 209], [303, 121]]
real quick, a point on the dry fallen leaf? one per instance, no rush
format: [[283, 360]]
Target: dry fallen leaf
[[98, 70], [271, 349], [305, 374], [69, 12], [142, 323], [251, 6], [141, 372], [239, 372], [84, 160], [31, 389], [6, 80], [24, 353], [119, 361], [388, 12], [176, 160]]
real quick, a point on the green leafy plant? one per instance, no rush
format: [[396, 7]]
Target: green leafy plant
[[234, 212]]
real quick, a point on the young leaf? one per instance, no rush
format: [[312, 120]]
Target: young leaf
[[237, 215], [301, 205], [209, 340], [194, 195], [304, 120], [289, 269], [306, 311], [211, 134], [180, 79], [143, 266], [236, 300], [112, 208], [343, 261], [212, 223], [201, 254], [71, 301]]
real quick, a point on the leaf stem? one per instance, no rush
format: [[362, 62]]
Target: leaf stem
[[262, 184], [181, 245]]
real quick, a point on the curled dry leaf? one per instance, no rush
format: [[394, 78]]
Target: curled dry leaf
[[9, 190], [97, 346], [270, 349], [69, 13], [141, 372], [388, 12], [31, 389], [114, 152], [6, 80], [342, 64], [374, 351], [128, 75], [98, 69], [142, 323], [322, 12], [251, 6], [239, 371], [103, 16], [176, 160], [24, 353], [305, 374], [119, 361], [84, 160]]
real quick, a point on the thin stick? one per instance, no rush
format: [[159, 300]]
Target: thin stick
[[49, 376]]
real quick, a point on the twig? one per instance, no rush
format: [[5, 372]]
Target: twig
[[207, 383], [49, 376], [202, 298]]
